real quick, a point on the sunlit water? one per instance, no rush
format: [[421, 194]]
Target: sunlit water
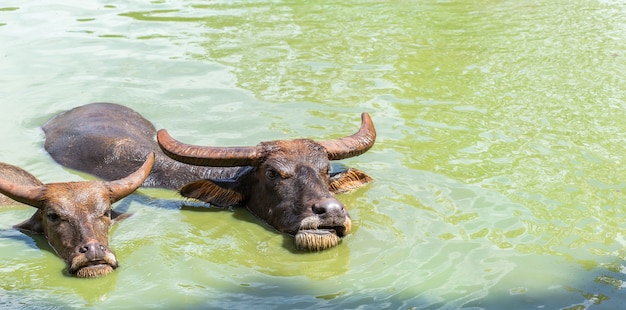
[[499, 163]]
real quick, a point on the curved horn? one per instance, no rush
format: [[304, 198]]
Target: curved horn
[[30, 195], [207, 155], [124, 187], [353, 145]]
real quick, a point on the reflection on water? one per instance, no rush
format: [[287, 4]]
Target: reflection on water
[[498, 165]]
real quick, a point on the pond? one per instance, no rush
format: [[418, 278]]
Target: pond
[[499, 166]]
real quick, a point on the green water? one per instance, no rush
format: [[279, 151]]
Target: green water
[[498, 165]]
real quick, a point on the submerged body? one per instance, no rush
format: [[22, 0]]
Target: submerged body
[[106, 140]]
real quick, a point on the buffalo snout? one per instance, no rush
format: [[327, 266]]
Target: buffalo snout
[[92, 260], [324, 227]]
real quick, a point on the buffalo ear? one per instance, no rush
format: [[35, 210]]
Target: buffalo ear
[[219, 193], [348, 180], [34, 223], [118, 216]]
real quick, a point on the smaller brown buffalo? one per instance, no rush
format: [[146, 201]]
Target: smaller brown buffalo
[[74, 216]]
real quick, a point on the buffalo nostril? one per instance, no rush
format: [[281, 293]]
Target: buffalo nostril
[[319, 209], [83, 249]]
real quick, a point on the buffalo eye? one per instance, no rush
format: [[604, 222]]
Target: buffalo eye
[[107, 213], [53, 217], [271, 174]]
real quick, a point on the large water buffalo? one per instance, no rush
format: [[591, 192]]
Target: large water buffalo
[[74, 216], [286, 183]]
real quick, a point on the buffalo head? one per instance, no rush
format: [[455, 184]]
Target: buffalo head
[[287, 184], [74, 216]]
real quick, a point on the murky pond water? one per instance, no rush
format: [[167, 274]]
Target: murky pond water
[[499, 165]]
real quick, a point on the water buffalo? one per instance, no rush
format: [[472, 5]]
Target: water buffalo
[[286, 183], [74, 216]]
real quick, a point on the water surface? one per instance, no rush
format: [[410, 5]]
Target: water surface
[[499, 162]]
